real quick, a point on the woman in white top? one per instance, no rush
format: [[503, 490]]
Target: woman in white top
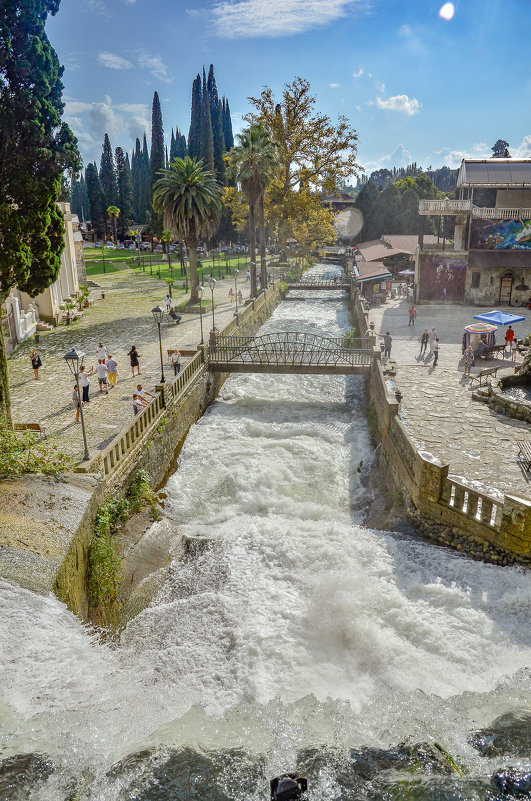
[[101, 353]]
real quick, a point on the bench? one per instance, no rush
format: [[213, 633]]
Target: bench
[[30, 427], [524, 453], [496, 351], [483, 374]]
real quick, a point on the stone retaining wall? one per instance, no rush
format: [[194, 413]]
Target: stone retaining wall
[[502, 403], [491, 526]]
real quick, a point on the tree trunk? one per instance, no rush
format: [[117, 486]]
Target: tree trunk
[[261, 223], [191, 244], [252, 249], [5, 400]]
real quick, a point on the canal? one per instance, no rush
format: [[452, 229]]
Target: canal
[[287, 636]]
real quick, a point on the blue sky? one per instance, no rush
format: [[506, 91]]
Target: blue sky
[[414, 85]]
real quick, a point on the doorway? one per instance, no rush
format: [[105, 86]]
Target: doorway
[[506, 288]]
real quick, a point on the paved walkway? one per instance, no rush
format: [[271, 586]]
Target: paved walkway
[[122, 318], [437, 407]]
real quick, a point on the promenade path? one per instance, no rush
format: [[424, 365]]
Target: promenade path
[[119, 320], [437, 406]]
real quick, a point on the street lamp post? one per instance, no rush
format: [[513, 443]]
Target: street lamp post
[[212, 284], [236, 273], [74, 360], [200, 293], [158, 315]]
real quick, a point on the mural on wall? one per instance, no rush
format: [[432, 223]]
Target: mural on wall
[[501, 234], [442, 278]]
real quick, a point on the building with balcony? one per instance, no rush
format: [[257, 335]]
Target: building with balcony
[[489, 263]]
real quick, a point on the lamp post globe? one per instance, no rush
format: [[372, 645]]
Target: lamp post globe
[[158, 316], [74, 359]]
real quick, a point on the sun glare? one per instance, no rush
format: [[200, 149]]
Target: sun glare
[[447, 11]]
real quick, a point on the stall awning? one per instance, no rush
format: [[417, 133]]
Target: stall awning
[[371, 271], [499, 318]]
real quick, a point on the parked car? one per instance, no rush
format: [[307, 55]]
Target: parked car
[[98, 244]]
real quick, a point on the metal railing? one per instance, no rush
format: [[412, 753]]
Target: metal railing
[[291, 348]]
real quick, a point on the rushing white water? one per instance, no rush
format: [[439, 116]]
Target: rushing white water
[[288, 624]]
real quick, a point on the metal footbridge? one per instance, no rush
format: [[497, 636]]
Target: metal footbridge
[[290, 352]]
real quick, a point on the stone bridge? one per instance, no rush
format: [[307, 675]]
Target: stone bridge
[[320, 282], [290, 352]]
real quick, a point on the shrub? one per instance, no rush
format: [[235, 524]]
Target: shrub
[[26, 452]]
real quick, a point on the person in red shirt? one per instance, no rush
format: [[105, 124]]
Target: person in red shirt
[[509, 336]]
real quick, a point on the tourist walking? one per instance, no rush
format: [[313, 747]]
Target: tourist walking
[[167, 300], [231, 295], [387, 341], [432, 336], [248, 275], [175, 361], [112, 369], [509, 337], [84, 382], [468, 359], [75, 402], [36, 362], [424, 341], [436, 351], [101, 353], [514, 350], [101, 371], [134, 359], [412, 315], [240, 296]]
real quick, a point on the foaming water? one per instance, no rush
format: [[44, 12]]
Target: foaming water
[[287, 627]]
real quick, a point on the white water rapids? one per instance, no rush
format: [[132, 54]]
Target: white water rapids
[[287, 624]]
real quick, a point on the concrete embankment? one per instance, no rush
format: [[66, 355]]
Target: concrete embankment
[[46, 524], [448, 509]]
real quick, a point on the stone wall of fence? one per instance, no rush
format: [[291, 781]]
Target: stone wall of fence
[[492, 526]]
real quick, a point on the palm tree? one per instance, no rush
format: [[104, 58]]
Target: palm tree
[[113, 212], [253, 164], [189, 197]]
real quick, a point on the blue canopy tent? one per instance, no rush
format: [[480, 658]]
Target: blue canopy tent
[[499, 318]]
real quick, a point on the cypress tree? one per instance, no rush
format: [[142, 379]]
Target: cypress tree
[[125, 191], [79, 198], [206, 138], [227, 125], [194, 135], [144, 183], [172, 146], [96, 199], [136, 158], [156, 159], [108, 174], [217, 126], [180, 144]]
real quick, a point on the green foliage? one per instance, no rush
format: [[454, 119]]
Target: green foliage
[[194, 134], [105, 563], [96, 200], [216, 119], [108, 174], [189, 198], [125, 190], [283, 287], [349, 337], [24, 452], [206, 138]]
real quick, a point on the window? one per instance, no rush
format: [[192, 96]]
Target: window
[[475, 280]]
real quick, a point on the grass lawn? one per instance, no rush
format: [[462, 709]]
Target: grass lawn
[[153, 263]]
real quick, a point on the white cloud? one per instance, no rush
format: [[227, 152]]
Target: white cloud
[[413, 42], [358, 108], [113, 62], [400, 103], [453, 158], [90, 121], [400, 157], [155, 66], [243, 19], [380, 86], [98, 7], [523, 150], [334, 85], [480, 147], [359, 73]]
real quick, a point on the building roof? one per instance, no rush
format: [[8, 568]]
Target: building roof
[[372, 271], [407, 243], [497, 173], [376, 250]]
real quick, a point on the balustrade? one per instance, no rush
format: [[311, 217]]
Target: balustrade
[[478, 506]]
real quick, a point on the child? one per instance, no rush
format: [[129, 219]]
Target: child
[[75, 402]]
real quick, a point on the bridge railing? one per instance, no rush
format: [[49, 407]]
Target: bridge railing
[[293, 349]]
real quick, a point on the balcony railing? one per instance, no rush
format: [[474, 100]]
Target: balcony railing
[[501, 214], [445, 206]]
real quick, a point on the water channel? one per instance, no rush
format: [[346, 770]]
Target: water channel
[[287, 635]]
